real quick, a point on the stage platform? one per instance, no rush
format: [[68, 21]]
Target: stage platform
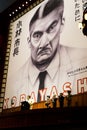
[[46, 117], [40, 116]]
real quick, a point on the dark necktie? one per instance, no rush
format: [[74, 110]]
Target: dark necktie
[[42, 76]]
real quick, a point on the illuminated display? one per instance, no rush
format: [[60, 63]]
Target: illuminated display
[[47, 38]]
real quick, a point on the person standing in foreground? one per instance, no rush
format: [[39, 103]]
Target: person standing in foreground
[[61, 100], [47, 54]]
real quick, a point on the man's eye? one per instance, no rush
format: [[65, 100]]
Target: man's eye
[[37, 35], [52, 26]]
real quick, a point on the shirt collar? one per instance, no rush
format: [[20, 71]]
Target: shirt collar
[[53, 67], [61, 59]]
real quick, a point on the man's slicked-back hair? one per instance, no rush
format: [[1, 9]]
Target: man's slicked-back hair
[[45, 9]]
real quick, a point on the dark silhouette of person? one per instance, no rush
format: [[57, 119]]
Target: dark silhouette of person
[[61, 100], [69, 98]]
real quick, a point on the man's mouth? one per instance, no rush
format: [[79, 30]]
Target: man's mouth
[[44, 51]]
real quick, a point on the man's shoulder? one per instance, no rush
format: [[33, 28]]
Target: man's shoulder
[[74, 49], [22, 71], [75, 53]]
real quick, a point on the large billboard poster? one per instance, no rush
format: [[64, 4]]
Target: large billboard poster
[[47, 38]]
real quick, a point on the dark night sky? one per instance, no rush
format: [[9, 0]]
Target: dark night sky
[[4, 4]]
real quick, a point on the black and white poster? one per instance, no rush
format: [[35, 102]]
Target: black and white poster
[[47, 38]]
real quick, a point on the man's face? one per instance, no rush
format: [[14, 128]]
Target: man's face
[[45, 35]]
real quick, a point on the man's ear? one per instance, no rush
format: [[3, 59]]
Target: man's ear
[[28, 41], [62, 24]]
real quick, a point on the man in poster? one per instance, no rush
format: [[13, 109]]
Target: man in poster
[[65, 67]]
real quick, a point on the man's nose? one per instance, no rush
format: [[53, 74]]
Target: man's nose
[[44, 40]]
